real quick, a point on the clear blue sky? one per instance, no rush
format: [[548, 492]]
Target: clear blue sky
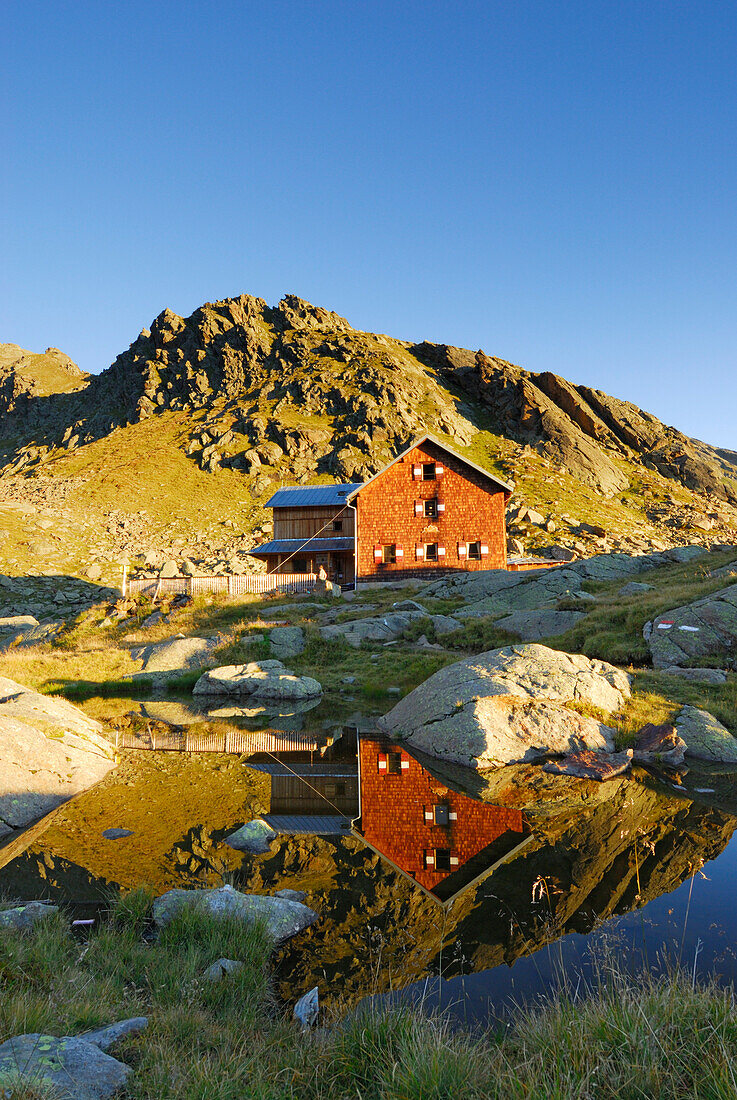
[[553, 182]]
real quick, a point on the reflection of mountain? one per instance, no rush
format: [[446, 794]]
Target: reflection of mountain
[[582, 867], [442, 840]]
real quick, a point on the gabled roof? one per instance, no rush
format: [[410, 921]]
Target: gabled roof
[[306, 546], [444, 447], [300, 496]]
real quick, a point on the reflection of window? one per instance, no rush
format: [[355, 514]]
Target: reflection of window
[[389, 554], [474, 551], [299, 565], [431, 508], [394, 763], [428, 471], [431, 551], [337, 524], [442, 859], [441, 814]]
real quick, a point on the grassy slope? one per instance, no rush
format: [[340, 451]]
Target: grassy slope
[[653, 1038]]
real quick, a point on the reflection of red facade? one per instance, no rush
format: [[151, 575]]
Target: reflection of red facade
[[404, 810]]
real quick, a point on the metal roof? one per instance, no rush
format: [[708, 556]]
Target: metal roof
[[299, 496], [448, 450], [311, 546]]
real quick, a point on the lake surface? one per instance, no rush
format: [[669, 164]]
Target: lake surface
[[417, 870]]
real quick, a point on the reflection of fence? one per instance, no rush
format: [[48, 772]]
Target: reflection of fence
[[231, 740], [236, 584]]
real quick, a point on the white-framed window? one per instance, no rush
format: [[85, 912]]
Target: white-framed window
[[431, 508], [431, 551], [474, 551], [389, 554]]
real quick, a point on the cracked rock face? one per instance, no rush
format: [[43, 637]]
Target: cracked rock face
[[705, 628], [507, 707]]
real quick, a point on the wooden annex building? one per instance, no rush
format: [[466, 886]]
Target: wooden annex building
[[430, 510]]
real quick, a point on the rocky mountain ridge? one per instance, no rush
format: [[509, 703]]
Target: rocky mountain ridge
[[292, 393]]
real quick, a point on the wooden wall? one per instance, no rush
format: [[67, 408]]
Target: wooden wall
[[302, 523]]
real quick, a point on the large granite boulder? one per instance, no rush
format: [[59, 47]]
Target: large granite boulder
[[705, 737], [261, 679], [49, 752], [704, 628], [282, 918], [507, 706], [176, 654]]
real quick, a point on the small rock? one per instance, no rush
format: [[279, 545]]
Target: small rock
[[659, 745], [93, 572], [255, 837], [117, 834], [24, 917], [287, 641], [281, 917], [104, 1037], [291, 895], [633, 588], [307, 1008], [169, 569], [73, 1067], [705, 737], [220, 969]]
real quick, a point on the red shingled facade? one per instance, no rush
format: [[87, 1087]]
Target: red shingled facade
[[398, 811], [397, 538]]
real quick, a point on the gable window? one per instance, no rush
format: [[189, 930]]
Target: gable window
[[394, 763], [474, 551], [431, 551], [428, 471], [337, 524], [389, 554], [431, 508], [441, 814]]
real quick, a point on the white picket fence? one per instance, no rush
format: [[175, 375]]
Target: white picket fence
[[235, 584]]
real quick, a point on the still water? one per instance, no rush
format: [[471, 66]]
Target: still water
[[419, 871]]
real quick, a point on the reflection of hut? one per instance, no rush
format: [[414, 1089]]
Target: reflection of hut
[[306, 786], [444, 841]]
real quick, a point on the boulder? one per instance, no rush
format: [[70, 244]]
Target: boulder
[[385, 628], [531, 626], [287, 641], [505, 706], [705, 737], [659, 745], [634, 588], [255, 837], [24, 917], [591, 765], [697, 675], [105, 1037], [169, 569], [282, 918], [73, 1068], [49, 752], [176, 654], [704, 628], [16, 624], [262, 679]]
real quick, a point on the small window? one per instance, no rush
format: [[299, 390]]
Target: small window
[[431, 508], [300, 565], [442, 859], [394, 763], [428, 471], [474, 551], [389, 554], [441, 814], [431, 551], [337, 524]]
